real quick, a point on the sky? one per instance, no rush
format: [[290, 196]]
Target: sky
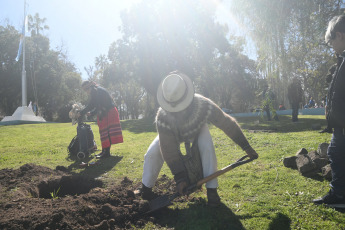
[[85, 28]]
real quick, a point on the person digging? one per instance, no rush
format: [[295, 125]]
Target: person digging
[[182, 117]]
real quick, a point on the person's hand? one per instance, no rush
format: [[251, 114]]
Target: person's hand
[[181, 187], [252, 153]]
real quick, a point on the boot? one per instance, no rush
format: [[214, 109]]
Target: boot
[[146, 193], [104, 154], [213, 197]]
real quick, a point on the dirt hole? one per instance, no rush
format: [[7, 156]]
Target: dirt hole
[[65, 185]]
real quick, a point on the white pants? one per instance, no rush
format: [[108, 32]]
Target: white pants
[[153, 160]]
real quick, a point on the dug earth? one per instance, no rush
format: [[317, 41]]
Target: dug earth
[[37, 197]]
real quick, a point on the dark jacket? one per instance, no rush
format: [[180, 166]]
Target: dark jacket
[[100, 102], [336, 96], [295, 93]]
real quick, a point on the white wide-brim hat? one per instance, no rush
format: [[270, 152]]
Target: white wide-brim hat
[[175, 93]]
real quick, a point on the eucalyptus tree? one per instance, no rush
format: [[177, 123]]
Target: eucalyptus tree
[[162, 36], [232, 83], [101, 63], [121, 81], [169, 35], [288, 36], [10, 70]]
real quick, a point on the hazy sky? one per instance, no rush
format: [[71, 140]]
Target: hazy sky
[[85, 27]]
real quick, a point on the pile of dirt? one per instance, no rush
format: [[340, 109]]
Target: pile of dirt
[[36, 197]]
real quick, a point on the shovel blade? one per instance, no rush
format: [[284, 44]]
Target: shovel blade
[[161, 202]]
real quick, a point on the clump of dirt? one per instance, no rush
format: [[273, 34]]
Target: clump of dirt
[[36, 197]]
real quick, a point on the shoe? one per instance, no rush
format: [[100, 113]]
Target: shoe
[[146, 193], [83, 165], [327, 130], [97, 155], [104, 154], [331, 200], [213, 197]]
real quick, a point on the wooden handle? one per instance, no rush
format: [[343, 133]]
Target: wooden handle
[[241, 161]]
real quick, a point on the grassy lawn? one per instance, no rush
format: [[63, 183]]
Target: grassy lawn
[[260, 195]]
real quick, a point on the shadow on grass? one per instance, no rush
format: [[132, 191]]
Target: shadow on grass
[[198, 216], [102, 166], [284, 125], [281, 222], [139, 126], [256, 124]]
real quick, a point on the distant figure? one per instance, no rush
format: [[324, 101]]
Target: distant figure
[[30, 105], [282, 107], [311, 103], [35, 108], [295, 95]]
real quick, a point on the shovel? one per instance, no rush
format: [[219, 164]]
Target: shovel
[[165, 200]]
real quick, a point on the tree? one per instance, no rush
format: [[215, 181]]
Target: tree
[[155, 43], [287, 35], [36, 24], [52, 76], [169, 35], [10, 70]]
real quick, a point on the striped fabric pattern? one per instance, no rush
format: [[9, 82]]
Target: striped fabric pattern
[[110, 129]]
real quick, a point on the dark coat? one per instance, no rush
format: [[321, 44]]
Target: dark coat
[[100, 102], [336, 96]]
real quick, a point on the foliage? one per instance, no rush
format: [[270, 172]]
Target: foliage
[[155, 43], [36, 24], [261, 195], [161, 36], [52, 79], [269, 104], [289, 38], [10, 70]]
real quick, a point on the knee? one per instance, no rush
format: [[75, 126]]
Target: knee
[[152, 153]]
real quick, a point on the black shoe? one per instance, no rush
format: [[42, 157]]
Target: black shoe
[[83, 165], [331, 200], [146, 193], [104, 154], [213, 197], [97, 155], [327, 130]]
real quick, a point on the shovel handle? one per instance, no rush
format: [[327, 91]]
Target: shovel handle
[[163, 201], [239, 162]]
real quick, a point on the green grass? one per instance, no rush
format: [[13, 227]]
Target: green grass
[[260, 195]]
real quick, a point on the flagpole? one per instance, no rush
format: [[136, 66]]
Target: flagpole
[[24, 99], [23, 114]]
